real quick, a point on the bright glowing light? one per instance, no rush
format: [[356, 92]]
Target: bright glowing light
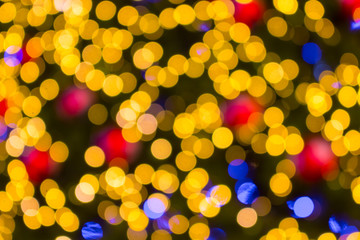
[[154, 208], [303, 207]]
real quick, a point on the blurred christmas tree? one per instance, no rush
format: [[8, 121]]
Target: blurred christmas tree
[[224, 119]]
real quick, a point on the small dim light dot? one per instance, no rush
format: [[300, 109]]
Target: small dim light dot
[[97, 114], [277, 26], [262, 206]]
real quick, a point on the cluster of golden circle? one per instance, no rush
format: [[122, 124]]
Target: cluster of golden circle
[[140, 117]]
